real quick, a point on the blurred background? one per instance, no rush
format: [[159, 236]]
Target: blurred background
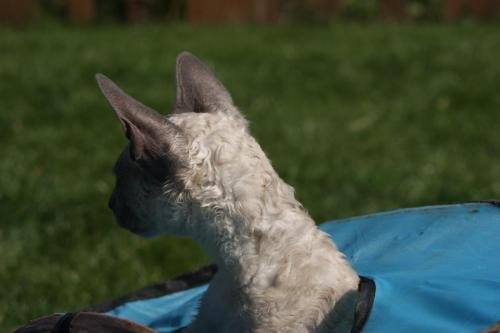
[[361, 105], [85, 12]]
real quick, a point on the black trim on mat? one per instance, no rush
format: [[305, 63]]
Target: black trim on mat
[[494, 202], [366, 289], [182, 282]]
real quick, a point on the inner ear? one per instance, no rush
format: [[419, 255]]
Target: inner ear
[[136, 138], [197, 87], [154, 153], [154, 140], [158, 165]]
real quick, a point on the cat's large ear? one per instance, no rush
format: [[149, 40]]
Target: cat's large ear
[[150, 134], [197, 87]]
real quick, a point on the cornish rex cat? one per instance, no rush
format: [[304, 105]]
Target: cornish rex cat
[[199, 172]]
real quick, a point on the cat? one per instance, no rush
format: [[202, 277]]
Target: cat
[[199, 172]]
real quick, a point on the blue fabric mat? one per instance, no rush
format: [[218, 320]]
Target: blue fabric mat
[[436, 269]]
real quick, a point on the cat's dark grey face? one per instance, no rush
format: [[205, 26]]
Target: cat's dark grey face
[[137, 200], [148, 195], [145, 197]]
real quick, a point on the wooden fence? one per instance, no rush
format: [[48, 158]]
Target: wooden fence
[[82, 12]]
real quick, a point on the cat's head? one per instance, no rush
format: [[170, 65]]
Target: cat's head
[[176, 167]]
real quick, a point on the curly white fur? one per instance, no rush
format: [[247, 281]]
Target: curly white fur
[[277, 271]]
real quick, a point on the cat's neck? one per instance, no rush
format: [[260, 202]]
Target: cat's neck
[[240, 240], [269, 243]]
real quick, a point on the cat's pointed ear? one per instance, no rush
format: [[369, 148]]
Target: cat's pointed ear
[[150, 134], [197, 87]]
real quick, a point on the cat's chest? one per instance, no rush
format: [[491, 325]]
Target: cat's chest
[[222, 309]]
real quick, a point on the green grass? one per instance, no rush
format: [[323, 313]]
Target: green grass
[[358, 118]]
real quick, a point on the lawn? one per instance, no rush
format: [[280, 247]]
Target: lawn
[[358, 118]]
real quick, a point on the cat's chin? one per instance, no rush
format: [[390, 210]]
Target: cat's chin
[[140, 231], [144, 233]]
